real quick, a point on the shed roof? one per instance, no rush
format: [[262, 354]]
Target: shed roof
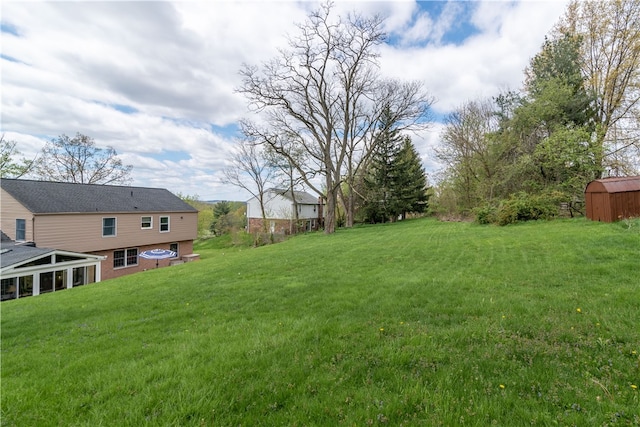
[[42, 197], [614, 185]]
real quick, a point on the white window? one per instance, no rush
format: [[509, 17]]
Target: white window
[[164, 224], [125, 258], [108, 227], [146, 222], [21, 229]]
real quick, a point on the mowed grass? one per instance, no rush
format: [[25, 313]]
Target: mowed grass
[[414, 323]]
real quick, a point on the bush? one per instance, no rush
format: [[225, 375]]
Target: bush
[[485, 214], [527, 207]]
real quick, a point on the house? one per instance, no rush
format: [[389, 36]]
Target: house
[[280, 212], [612, 199], [115, 222], [27, 270]]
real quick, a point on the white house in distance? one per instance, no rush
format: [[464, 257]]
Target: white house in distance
[[280, 212]]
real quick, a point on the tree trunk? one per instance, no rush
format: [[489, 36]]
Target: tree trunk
[[330, 211]]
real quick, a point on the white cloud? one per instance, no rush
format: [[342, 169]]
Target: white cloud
[[177, 65]]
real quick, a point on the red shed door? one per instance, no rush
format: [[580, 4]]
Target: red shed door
[[600, 207]]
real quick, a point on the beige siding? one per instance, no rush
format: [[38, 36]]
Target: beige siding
[[12, 210], [83, 232]]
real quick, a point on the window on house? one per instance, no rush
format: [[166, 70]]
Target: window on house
[[60, 280], [46, 282], [21, 229], [164, 224], [25, 285], [125, 258], [146, 222], [174, 247], [132, 257], [108, 227], [8, 289], [79, 274]]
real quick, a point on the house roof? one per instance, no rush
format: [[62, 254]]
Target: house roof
[[46, 197], [301, 197], [11, 253]]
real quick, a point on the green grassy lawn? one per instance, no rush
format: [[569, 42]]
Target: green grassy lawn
[[414, 323]]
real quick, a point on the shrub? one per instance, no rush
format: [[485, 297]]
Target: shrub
[[485, 214], [527, 207]]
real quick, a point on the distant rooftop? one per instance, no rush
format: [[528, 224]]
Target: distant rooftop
[[301, 197]]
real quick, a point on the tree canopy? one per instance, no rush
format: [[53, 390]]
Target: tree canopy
[[80, 160], [10, 165], [394, 182], [324, 95], [575, 120]]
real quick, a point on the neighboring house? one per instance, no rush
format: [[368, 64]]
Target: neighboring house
[[116, 222], [27, 270], [280, 212]]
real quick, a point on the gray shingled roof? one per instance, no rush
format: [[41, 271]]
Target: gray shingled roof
[[302, 197], [42, 197], [11, 254]]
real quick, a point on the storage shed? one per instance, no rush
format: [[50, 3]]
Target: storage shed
[[611, 199]]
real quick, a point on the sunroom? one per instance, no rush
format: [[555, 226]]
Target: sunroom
[[26, 270]]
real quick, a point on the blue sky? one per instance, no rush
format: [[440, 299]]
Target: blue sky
[[156, 80]]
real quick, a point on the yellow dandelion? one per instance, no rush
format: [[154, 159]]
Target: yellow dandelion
[[579, 310], [502, 386], [634, 352], [381, 329], [633, 386]]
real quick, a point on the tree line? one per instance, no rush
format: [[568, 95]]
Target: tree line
[[324, 114], [521, 154]]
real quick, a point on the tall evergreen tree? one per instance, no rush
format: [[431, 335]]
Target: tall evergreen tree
[[395, 182], [411, 184], [380, 178]]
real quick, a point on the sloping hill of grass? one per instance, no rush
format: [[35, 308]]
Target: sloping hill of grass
[[414, 323]]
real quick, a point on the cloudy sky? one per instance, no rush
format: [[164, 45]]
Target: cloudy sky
[[156, 80]]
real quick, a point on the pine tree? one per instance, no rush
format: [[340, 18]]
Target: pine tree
[[379, 181], [411, 182], [395, 182]]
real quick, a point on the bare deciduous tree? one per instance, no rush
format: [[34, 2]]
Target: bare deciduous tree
[[79, 160], [325, 95], [466, 149], [251, 171]]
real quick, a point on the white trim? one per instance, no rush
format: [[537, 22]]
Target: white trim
[[168, 224], [115, 226], [126, 256], [150, 222], [15, 271]]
